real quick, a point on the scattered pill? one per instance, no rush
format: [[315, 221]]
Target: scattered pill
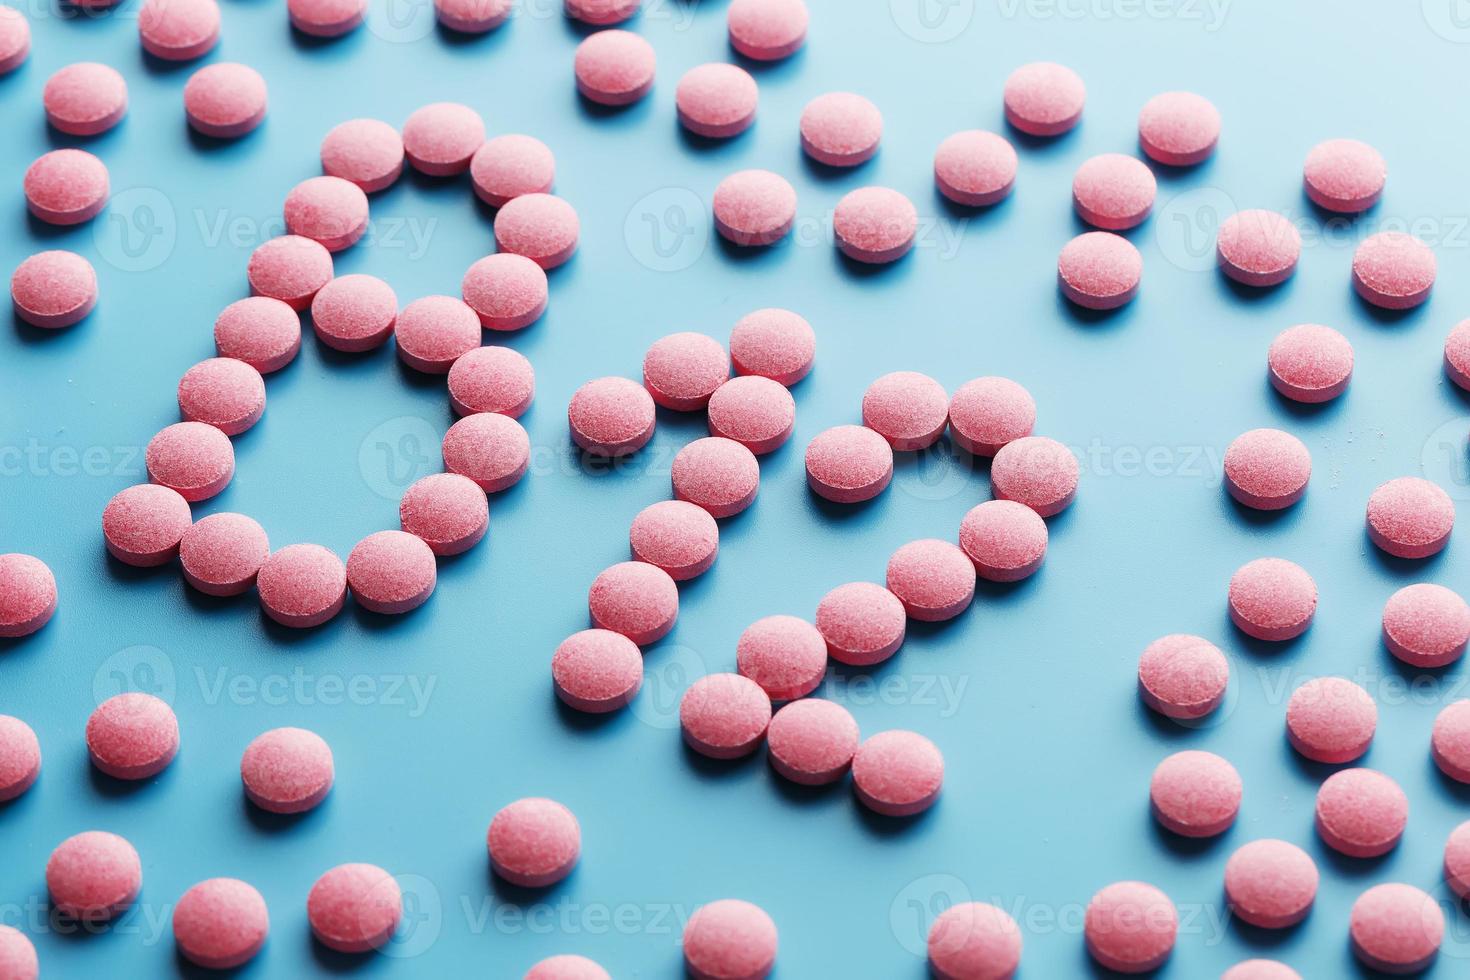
[[600, 13], [933, 579], [987, 413], [220, 923], [132, 736], [907, 408], [1426, 626], [354, 313], [329, 210], [682, 370], [1258, 248], [841, 129], [1361, 812], [897, 773], [326, 18], [53, 289], [506, 290], [863, 623], [1270, 884], [1393, 270], [1260, 970], [225, 100], [510, 165], [472, 16], [975, 168], [974, 941], [178, 30], [679, 537], [1457, 860], [729, 940], [875, 225], [611, 417], [354, 908], [1346, 176], [756, 412], [287, 770], [1450, 741], [302, 585], [222, 392], [1195, 794], [15, 46], [492, 379], [1044, 99], [1183, 677], [767, 30], [263, 332], [491, 449], [1113, 191], [221, 554], [1456, 354], [93, 876], [1267, 469], [17, 954], [1130, 927], [614, 68], [597, 670], [1178, 129], [724, 716], [434, 331], [1005, 540], [85, 99], [27, 595], [567, 966], [716, 100], [812, 741], [367, 152], [1099, 270], [66, 187], [785, 655], [754, 207], [20, 763], [775, 344], [1410, 517], [391, 572], [1310, 363], [291, 269], [441, 138], [848, 464], [534, 842], [718, 474], [1036, 471], [1396, 928], [541, 227], [193, 458], [635, 599], [143, 525], [447, 510], [1272, 599]]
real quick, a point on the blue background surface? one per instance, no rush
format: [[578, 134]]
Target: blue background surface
[[440, 717]]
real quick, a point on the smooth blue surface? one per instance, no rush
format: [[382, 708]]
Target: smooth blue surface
[[439, 718]]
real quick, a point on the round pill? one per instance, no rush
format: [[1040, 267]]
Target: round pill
[[1410, 517], [1258, 248], [85, 99], [785, 655], [1267, 469], [541, 227], [510, 165], [716, 100], [1457, 860], [1182, 676], [27, 595], [434, 331], [756, 412], [812, 741], [15, 45], [507, 291], [1361, 812], [143, 525], [220, 923], [1260, 970], [1310, 363], [601, 12], [1195, 794], [1393, 270], [933, 579], [718, 474], [221, 554], [848, 464], [1426, 626], [1036, 471], [724, 716], [193, 458], [326, 18], [93, 876], [354, 313], [17, 955], [491, 449], [1005, 540], [1044, 99], [682, 370], [368, 152], [611, 417], [132, 736], [1272, 599], [302, 585], [447, 510], [1346, 176], [225, 100], [287, 770], [1113, 191], [1396, 928], [472, 16], [1178, 129], [1130, 927], [441, 138], [597, 670], [263, 332], [1270, 884], [841, 129], [614, 68], [875, 225], [1099, 270], [754, 207], [975, 168], [974, 941], [222, 392], [679, 537], [1450, 741], [66, 187], [328, 210], [534, 842], [907, 408], [635, 599], [178, 30], [492, 379], [391, 572], [291, 269], [354, 908], [775, 344], [20, 761], [729, 940], [863, 623], [767, 30], [567, 966], [1457, 354], [897, 773], [987, 413], [53, 289]]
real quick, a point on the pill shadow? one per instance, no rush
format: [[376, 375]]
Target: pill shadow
[[767, 70], [801, 794], [1180, 846], [1112, 319], [1092, 968], [709, 769], [972, 214], [884, 826], [753, 255], [492, 38], [590, 722], [1284, 517], [1388, 318], [1241, 292], [339, 46], [861, 272], [46, 231], [1403, 568], [331, 961], [1040, 145], [1168, 173], [507, 893], [1305, 411], [1259, 938], [1272, 650], [189, 971], [628, 115], [205, 604], [1448, 785], [711, 145], [205, 143], [116, 789], [267, 822], [826, 173], [123, 572], [164, 67]]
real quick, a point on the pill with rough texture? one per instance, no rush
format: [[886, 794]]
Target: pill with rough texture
[[220, 923], [17, 954], [974, 941], [1195, 794], [848, 464], [975, 168], [875, 225], [368, 152], [1004, 539], [863, 623], [20, 760], [601, 12], [1426, 626], [290, 268], [682, 370], [302, 585], [1260, 970], [1036, 471], [329, 210], [567, 966], [178, 30], [225, 100], [1310, 363], [1182, 676], [66, 187], [1267, 469], [718, 474], [1450, 741], [635, 599], [53, 289], [897, 773], [933, 579], [222, 392], [27, 594], [1270, 884], [716, 100], [812, 741], [907, 408], [1410, 517], [354, 313], [1361, 812], [775, 344], [1331, 720], [597, 670], [143, 525], [724, 716], [447, 510], [611, 417], [1457, 860], [1099, 270], [541, 227], [472, 16], [15, 45], [1178, 129], [1044, 99], [287, 770], [85, 99], [434, 331], [193, 458], [354, 908], [1130, 927], [1396, 928], [263, 332], [1346, 176], [785, 655], [1272, 599], [1457, 354], [507, 291], [614, 68], [221, 554], [754, 207], [1113, 191], [989, 412], [534, 842], [756, 412], [326, 18], [729, 940], [841, 129], [93, 876], [1258, 248], [1393, 270], [441, 138], [492, 379], [679, 537], [510, 165], [391, 572], [767, 30], [132, 736], [491, 449]]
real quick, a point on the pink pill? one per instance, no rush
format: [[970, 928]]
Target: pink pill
[[441, 138], [222, 392], [1260, 970], [933, 579], [767, 30], [1310, 363], [1044, 99], [1098, 270], [601, 12], [53, 289], [716, 100], [1346, 176], [302, 585], [974, 941], [897, 773], [493, 450], [85, 99], [812, 741], [1426, 626], [611, 417], [1361, 812], [1457, 354], [15, 45], [20, 761], [1195, 794], [720, 475], [472, 16], [863, 623], [328, 210], [492, 379], [326, 18], [1130, 927], [354, 908], [724, 716], [679, 537], [987, 413], [1270, 884], [729, 940], [225, 100], [1182, 677], [66, 187], [1267, 469], [534, 842], [567, 966], [775, 344], [1457, 860], [178, 30], [682, 370], [220, 923], [93, 876], [144, 524], [506, 291], [841, 129], [1396, 928], [975, 168], [1005, 540], [447, 510], [1272, 599], [1036, 471], [27, 595], [263, 332], [511, 165], [754, 207], [614, 68], [354, 313], [597, 671], [541, 227], [434, 331], [1410, 517], [1258, 248], [1450, 742], [785, 655], [287, 770], [391, 572], [193, 458], [132, 736], [222, 554], [17, 955], [1113, 191], [367, 152], [848, 464], [291, 269], [635, 599], [1393, 270], [1178, 129], [875, 225], [756, 412], [907, 408]]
